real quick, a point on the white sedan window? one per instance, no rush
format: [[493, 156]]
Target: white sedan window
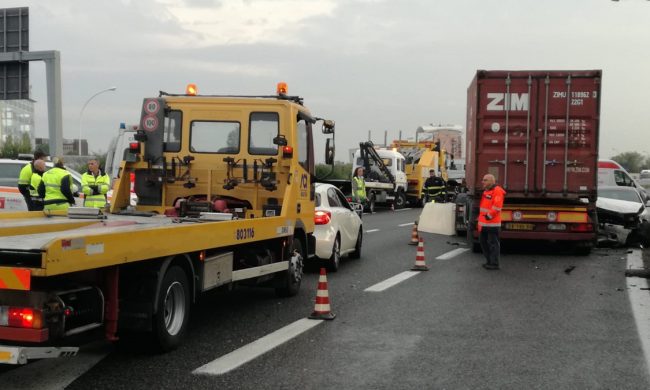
[[332, 198]]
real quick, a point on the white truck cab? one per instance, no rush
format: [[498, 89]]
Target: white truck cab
[[379, 187]]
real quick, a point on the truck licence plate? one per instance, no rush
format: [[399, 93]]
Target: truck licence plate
[[520, 226]]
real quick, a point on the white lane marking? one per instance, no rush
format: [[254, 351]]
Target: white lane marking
[[407, 224], [257, 348], [450, 254], [372, 230], [639, 300], [408, 208], [390, 282], [57, 373]]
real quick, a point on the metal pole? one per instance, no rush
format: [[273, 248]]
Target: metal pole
[[84, 107]]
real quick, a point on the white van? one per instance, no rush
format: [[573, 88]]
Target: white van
[[611, 173], [118, 149]]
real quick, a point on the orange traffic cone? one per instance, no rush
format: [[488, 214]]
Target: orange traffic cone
[[322, 306], [419, 258], [414, 234]]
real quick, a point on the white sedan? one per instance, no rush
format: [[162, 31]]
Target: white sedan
[[338, 227]]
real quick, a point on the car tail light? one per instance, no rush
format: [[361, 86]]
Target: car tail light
[[21, 317], [582, 227], [322, 217]]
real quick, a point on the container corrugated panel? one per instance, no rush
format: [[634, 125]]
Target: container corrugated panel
[[517, 130]]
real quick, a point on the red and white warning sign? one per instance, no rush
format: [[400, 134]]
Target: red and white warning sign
[[150, 123], [151, 106]]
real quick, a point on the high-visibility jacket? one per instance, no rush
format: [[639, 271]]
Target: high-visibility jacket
[[25, 176], [434, 186], [358, 188], [490, 207], [51, 188], [34, 183], [95, 189]]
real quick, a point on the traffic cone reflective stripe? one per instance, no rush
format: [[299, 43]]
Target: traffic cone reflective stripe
[[414, 235], [322, 305], [420, 265]]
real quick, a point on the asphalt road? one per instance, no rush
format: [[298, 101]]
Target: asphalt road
[[533, 324]]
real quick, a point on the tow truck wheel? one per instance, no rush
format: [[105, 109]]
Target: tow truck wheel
[[292, 277], [371, 203], [170, 321]]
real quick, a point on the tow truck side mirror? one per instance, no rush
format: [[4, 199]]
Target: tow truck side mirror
[[329, 152], [280, 140], [328, 126]]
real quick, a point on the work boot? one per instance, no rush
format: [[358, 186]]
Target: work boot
[[490, 266]]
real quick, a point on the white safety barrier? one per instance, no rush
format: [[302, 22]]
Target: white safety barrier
[[438, 218]]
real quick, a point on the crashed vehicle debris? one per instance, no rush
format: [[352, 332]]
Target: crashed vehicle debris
[[623, 217]]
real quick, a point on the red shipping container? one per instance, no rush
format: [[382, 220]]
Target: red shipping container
[[536, 131]]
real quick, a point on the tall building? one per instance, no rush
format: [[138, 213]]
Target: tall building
[[16, 119]]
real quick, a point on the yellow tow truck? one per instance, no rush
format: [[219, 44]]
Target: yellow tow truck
[[419, 158], [225, 191]]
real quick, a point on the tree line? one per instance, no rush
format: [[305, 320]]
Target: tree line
[[633, 162]]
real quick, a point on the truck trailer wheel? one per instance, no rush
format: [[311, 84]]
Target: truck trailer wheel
[[474, 244], [291, 278], [173, 311], [400, 200]]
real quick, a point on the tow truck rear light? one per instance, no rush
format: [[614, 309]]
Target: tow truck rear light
[[132, 181], [287, 151], [21, 317], [322, 217], [134, 147], [582, 227]]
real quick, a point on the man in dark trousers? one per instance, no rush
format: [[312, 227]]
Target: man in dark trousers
[[489, 221], [25, 180]]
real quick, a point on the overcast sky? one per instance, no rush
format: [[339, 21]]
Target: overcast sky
[[368, 64]]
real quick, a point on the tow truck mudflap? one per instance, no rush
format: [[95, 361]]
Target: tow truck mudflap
[[20, 355]]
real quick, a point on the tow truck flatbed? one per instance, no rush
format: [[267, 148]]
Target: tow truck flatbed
[[70, 245]]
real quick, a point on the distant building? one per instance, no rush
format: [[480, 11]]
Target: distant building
[[450, 137], [16, 119], [70, 146]]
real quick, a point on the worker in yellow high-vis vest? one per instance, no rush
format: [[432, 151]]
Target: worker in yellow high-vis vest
[[95, 184], [35, 181], [25, 178], [56, 187]]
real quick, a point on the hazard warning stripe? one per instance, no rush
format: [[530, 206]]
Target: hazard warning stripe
[[15, 278]]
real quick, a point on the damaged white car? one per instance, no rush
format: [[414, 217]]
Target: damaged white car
[[623, 216]]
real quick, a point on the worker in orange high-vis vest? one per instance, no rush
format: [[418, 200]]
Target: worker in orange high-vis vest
[[489, 221]]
